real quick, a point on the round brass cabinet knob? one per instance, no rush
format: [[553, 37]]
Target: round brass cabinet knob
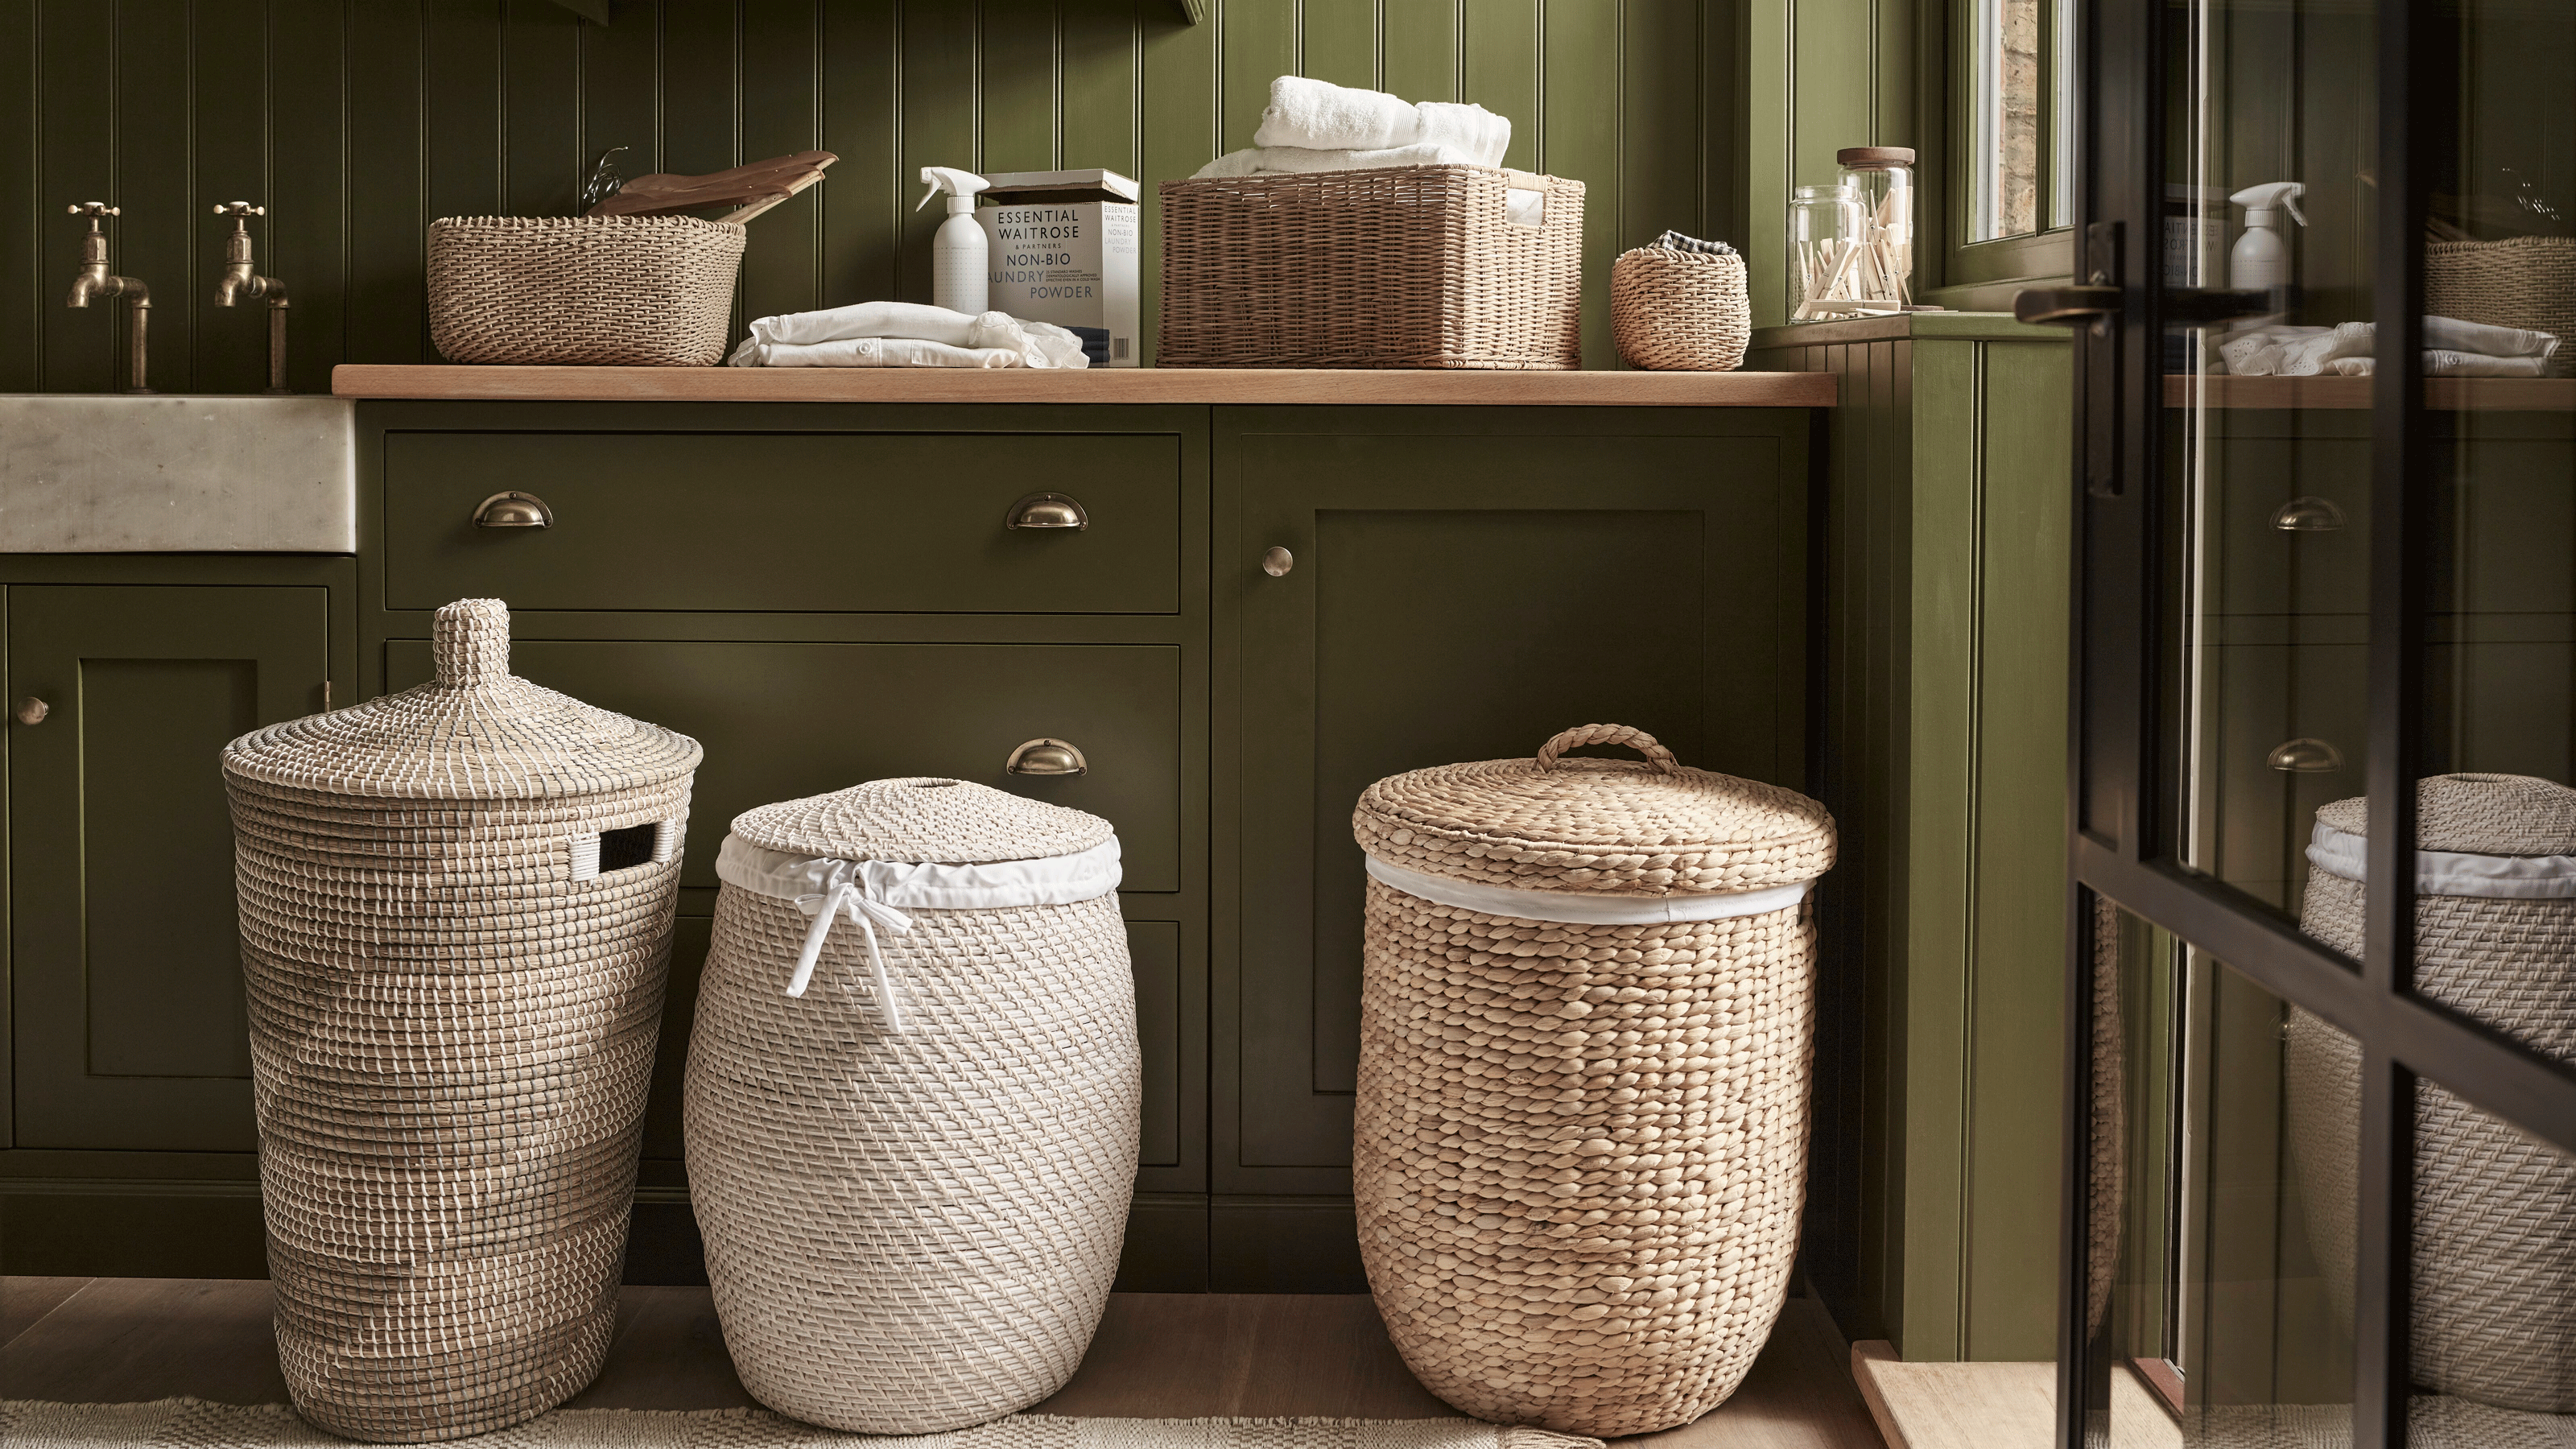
[[32, 710], [1277, 562], [1047, 510], [1047, 757], [513, 510]]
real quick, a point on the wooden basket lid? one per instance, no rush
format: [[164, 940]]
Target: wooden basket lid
[[478, 732], [1618, 827], [2477, 814], [921, 818]]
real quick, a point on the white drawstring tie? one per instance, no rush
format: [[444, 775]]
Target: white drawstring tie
[[850, 898]]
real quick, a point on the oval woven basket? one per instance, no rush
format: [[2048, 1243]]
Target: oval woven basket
[[2526, 281], [2494, 1300], [912, 1137], [582, 291], [456, 908], [1581, 1137], [1680, 311]]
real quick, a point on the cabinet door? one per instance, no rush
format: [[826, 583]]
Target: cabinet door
[[1460, 595], [129, 1030]]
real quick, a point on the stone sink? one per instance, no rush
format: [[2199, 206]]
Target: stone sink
[[84, 473]]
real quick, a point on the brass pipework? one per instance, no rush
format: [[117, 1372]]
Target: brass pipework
[[241, 279], [95, 280]]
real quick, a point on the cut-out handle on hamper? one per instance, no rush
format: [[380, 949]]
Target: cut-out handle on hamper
[[469, 640], [1608, 734]]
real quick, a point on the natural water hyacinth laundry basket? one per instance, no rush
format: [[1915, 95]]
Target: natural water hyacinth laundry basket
[[1586, 1018], [2494, 1301], [456, 907], [911, 1106]]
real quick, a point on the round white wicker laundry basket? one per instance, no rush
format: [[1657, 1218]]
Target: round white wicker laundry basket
[[456, 907], [1586, 1018], [912, 1101], [2494, 1302]]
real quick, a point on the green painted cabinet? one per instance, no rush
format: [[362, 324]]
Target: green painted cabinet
[[1460, 585]]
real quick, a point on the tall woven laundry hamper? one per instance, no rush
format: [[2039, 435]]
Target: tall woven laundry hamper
[[2494, 1299], [1586, 1022], [912, 1096], [456, 908]]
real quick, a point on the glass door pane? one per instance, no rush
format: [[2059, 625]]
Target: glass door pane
[[2269, 202]]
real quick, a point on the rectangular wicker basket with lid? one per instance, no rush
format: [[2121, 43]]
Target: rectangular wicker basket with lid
[[456, 910], [1397, 266], [1586, 1016]]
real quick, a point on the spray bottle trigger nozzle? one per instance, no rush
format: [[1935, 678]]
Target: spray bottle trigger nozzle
[[2292, 202]]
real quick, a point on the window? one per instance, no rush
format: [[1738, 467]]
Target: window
[[2017, 162]]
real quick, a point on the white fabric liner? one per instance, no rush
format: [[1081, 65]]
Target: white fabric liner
[[874, 893], [1581, 908], [2452, 872]]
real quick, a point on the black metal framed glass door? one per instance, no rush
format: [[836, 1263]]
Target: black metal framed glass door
[[2320, 1182]]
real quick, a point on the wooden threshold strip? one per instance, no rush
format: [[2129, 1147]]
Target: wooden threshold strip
[[1245, 386]]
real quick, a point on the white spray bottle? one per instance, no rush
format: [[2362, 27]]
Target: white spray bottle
[[2260, 259], [958, 279]]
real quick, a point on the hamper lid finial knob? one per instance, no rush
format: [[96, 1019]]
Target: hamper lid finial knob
[[470, 642]]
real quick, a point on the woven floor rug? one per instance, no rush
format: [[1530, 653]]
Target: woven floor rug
[[2438, 1421], [197, 1424]]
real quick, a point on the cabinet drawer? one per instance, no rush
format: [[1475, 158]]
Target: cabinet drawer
[[781, 721], [823, 522]]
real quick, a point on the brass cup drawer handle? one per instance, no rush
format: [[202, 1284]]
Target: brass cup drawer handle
[[1047, 510], [1046, 757], [32, 710], [513, 510]]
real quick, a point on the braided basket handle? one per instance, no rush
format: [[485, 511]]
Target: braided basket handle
[[1608, 734]]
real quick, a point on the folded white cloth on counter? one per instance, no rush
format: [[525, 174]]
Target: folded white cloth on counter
[[2464, 349], [1317, 115], [905, 334], [2440, 362]]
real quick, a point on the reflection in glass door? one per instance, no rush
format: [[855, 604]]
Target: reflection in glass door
[[2322, 1144]]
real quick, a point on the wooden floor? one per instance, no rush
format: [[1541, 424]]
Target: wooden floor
[[1157, 1356]]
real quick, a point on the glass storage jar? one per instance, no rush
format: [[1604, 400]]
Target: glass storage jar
[[1881, 179], [1825, 235]]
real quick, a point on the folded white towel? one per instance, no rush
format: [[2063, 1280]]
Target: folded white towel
[[1317, 115], [2442, 362], [773, 340], [1297, 160]]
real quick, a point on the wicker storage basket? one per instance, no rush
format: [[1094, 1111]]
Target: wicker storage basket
[[2495, 1211], [1400, 266], [1680, 311], [1585, 1025], [456, 908], [911, 1107], [2526, 281], [582, 291]]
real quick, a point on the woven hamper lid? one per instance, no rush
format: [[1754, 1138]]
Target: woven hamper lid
[[2477, 814], [478, 732], [1656, 827], [921, 819]]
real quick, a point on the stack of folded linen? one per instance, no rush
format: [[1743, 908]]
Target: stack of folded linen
[[1313, 125], [906, 334], [2452, 348]]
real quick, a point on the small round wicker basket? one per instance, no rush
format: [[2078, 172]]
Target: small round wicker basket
[[1679, 311], [456, 908], [2495, 1211], [582, 291], [1586, 1012]]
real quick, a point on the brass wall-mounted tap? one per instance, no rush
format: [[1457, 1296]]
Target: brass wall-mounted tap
[[95, 280], [240, 280]]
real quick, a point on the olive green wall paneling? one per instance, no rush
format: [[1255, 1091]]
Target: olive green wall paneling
[[1255, 42], [230, 90], [1819, 75], [1179, 107], [1422, 52], [861, 200], [21, 239], [1338, 41], [1018, 66], [307, 195], [939, 125], [1660, 125], [780, 106], [148, 73], [1579, 138], [540, 89], [1099, 84], [1499, 65], [75, 124], [387, 315]]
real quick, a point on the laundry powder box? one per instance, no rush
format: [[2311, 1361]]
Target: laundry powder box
[[1062, 249]]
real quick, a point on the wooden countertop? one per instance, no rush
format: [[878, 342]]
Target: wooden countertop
[[1251, 386]]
